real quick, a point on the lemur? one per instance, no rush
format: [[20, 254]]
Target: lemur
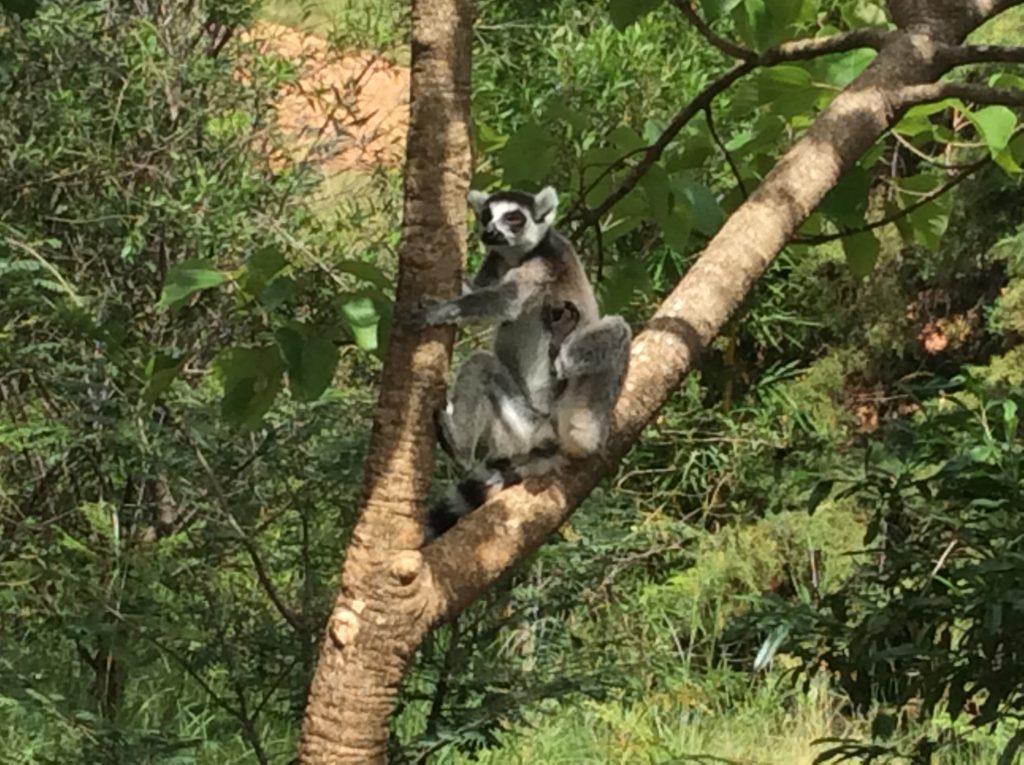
[[557, 367]]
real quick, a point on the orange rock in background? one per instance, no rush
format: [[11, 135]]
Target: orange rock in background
[[347, 111]]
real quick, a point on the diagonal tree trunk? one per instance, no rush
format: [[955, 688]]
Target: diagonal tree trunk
[[392, 594]]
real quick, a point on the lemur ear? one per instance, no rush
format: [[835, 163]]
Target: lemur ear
[[545, 203], [477, 200]]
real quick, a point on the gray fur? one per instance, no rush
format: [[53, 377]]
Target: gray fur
[[556, 368]]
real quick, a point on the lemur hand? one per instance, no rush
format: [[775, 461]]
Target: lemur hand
[[434, 312]]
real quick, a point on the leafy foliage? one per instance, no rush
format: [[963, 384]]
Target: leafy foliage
[[189, 343]]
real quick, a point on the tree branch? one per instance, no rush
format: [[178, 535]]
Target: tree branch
[[727, 47], [931, 196], [937, 91], [653, 153], [250, 548], [961, 55], [482, 547], [813, 47], [797, 50], [728, 156]]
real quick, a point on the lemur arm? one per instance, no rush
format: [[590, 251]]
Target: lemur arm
[[489, 273], [518, 288]]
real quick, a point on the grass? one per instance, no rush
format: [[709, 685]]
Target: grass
[[376, 25]]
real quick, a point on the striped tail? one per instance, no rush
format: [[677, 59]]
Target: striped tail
[[484, 484]]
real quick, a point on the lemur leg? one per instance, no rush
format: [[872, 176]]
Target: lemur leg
[[593, 362], [487, 403]]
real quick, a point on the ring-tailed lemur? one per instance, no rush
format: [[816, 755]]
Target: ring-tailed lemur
[[557, 366]]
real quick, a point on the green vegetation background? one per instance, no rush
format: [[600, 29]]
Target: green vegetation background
[[818, 538]]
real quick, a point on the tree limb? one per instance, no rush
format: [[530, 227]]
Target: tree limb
[[961, 55], [797, 50], [978, 94], [482, 546], [725, 151], [727, 47]]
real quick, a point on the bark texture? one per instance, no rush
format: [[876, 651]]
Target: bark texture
[[392, 592], [377, 620]]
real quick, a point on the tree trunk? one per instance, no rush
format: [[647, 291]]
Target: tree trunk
[[376, 622], [391, 592]]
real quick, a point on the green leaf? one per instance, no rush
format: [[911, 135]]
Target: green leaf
[[261, 267], [625, 12], [842, 70], [916, 121], [26, 9], [161, 371], [278, 292], [861, 252], [656, 190], [751, 20], [788, 88], [1011, 420], [185, 279], [311, 358], [705, 211], [528, 155], [361, 317], [716, 9], [622, 281], [819, 494], [996, 125], [847, 202], [626, 138], [557, 111], [100, 517], [252, 379], [927, 224], [864, 13], [365, 271]]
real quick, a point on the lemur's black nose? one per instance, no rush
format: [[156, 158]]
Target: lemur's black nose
[[493, 236]]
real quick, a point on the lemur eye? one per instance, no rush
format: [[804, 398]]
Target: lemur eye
[[514, 218]]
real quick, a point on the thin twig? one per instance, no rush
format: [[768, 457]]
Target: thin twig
[[925, 156], [797, 50], [728, 157], [257, 561], [942, 558], [931, 196], [727, 47], [653, 153]]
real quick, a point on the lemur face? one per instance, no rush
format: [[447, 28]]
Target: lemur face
[[513, 222]]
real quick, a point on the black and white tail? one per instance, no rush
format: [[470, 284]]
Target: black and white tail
[[484, 484]]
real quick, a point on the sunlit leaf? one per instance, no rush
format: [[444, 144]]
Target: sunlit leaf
[[361, 317], [844, 69], [996, 125], [185, 279]]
